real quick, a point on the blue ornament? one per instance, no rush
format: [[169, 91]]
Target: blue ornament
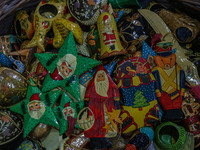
[[5, 61], [146, 50], [148, 131]]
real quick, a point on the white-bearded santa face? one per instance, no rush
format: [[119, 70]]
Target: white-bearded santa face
[[68, 111], [36, 109], [101, 83]]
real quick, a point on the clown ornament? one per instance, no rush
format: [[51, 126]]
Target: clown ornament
[[170, 82]]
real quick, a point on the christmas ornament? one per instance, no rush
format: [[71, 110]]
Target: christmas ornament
[[40, 131], [148, 54], [170, 136], [79, 142], [65, 68], [61, 29], [85, 11], [93, 42], [109, 38], [5, 61], [46, 12], [52, 141], [129, 4], [191, 109], [139, 140], [66, 113], [29, 144], [170, 82], [136, 83], [37, 108], [159, 26], [102, 98], [133, 29], [83, 48], [13, 87], [19, 65], [7, 44], [11, 128], [184, 31], [24, 28]]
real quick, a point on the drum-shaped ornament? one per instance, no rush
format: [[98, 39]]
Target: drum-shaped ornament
[[29, 145]]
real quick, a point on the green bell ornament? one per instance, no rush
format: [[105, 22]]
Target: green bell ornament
[[66, 113], [37, 108], [129, 3], [170, 136], [65, 68]]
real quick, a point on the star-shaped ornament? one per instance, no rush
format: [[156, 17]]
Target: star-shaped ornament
[[66, 113], [65, 68], [114, 115], [37, 108], [107, 127]]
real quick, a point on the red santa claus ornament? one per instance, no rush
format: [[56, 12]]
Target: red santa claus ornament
[[102, 97]]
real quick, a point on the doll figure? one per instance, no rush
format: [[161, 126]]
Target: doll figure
[[170, 82]]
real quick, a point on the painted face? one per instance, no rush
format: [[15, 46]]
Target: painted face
[[68, 112], [65, 69], [100, 77], [34, 106]]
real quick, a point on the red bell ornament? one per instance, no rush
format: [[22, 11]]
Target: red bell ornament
[[109, 38]]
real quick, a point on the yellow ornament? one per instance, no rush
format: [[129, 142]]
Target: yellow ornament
[[45, 13], [109, 38], [61, 29]]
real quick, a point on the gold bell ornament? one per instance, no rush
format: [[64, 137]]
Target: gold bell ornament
[[109, 38]]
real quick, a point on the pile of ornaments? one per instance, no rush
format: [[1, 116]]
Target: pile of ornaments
[[98, 74]]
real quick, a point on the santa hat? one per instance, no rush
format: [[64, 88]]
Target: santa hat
[[55, 75], [164, 49], [67, 105], [106, 18], [35, 97]]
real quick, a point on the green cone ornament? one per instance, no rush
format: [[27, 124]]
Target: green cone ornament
[[129, 3], [65, 68], [37, 108], [170, 136], [66, 113]]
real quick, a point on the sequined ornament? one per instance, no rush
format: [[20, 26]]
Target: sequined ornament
[[37, 108], [65, 68], [66, 114]]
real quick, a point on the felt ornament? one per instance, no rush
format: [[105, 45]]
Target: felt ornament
[[37, 108], [66, 113], [136, 83], [65, 68]]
